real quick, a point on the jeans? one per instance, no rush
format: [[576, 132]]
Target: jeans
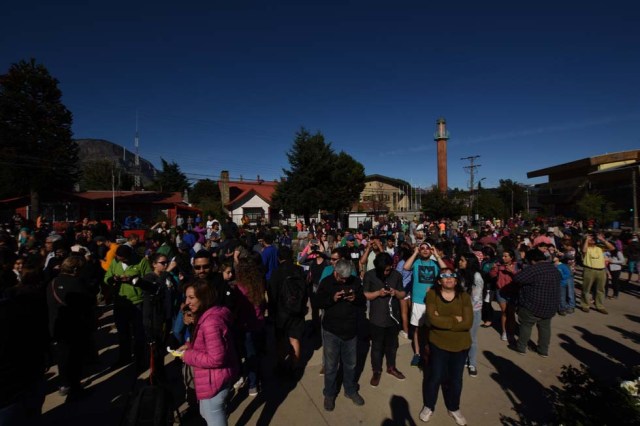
[[384, 342], [591, 277], [444, 370], [253, 347], [212, 410], [527, 321], [473, 351], [338, 351]]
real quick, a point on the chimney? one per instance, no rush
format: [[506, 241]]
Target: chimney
[[224, 186], [441, 136]]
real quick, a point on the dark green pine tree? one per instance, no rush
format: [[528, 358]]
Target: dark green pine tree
[[171, 178], [318, 179], [304, 191], [38, 152]]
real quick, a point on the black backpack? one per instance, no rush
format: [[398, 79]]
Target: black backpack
[[151, 405], [293, 295]]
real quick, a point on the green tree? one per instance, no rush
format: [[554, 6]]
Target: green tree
[[513, 197], [103, 175], [38, 152], [489, 204], [311, 162], [594, 206], [171, 178], [436, 204], [345, 184], [205, 194]]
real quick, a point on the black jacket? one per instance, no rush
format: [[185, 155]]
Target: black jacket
[[341, 317]]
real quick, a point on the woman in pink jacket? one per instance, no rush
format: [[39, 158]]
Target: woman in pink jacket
[[211, 351]]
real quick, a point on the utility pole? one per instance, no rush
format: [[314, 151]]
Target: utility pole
[[471, 169]]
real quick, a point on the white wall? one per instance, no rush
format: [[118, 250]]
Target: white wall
[[252, 202]]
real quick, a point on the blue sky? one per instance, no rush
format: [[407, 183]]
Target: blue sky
[[224, 85]]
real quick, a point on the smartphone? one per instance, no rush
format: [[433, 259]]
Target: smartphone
[[387, 287]]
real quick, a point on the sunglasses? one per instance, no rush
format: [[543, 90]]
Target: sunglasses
[[164, 263], [201, 267], [449, 275]]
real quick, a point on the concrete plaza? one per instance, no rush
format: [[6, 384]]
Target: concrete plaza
[[509, 389]]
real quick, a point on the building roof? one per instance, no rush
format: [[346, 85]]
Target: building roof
[[153, 197], [240, 190], [587, 163], [386, 179]]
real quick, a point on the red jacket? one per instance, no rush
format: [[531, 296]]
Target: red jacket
[[212, 354]]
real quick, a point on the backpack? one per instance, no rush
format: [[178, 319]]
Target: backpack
[[293, 295], [151, 405]]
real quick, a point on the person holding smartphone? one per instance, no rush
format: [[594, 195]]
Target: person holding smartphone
[[383, 289], [342, 298]]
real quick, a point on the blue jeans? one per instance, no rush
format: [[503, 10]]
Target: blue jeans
[[444, 370], [336, 352], [212, 410], [567, 296], [473, 351]]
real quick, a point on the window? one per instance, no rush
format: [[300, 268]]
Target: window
[[254, 213]]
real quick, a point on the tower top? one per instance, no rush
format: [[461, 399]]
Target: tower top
[[441, 130]]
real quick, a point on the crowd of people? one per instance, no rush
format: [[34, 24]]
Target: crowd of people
[[211, 290]]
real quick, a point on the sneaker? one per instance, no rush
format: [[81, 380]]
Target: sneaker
[[322, 371], [415, 361], [518, 351], [603, 311], [425, 414], [586, 310], [253, 391], [473, 371], [329, 403], [356, 398], [571, 310], [562, 313], [395, 373], [404, 334], [240, 383], [64, 390], [458, 417], [504, 337], [543, 355], [375, 379]]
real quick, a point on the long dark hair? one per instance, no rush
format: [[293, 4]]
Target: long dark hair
[[466, 276]]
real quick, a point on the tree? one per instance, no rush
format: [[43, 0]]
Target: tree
[[490, 205], [104, 175], [594, 206], [346, 183], [436, 204], [39, 154], [204, 189], [513, 197], [206, 195], [318, 178], [170, 179]]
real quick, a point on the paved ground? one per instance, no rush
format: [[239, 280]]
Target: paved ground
[[510, 389]]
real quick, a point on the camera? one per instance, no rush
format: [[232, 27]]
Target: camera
[[315, 247], [387, 287]]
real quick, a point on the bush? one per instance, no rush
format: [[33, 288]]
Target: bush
[[585, 400]]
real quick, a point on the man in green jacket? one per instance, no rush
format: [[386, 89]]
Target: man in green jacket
[[123, 274]]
